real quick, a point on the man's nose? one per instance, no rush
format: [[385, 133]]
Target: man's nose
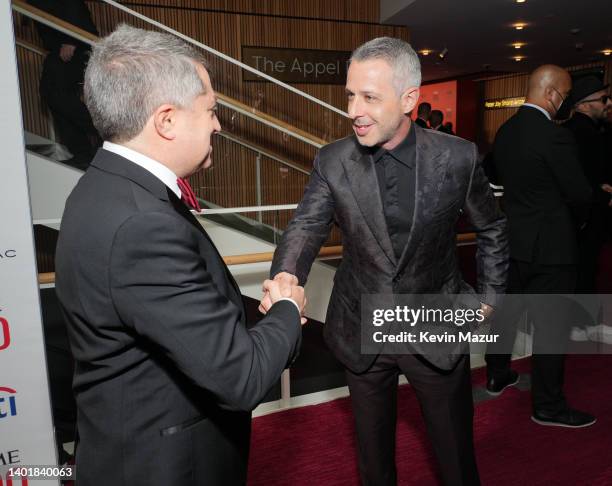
[[354, 108]]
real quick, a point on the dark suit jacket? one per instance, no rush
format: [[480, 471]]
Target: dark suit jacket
[[74, 12], [546, 196], [343, 186], [166, 370], [592, 156]]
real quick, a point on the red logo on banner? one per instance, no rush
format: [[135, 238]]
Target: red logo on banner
[[9, 482], [5, 335]]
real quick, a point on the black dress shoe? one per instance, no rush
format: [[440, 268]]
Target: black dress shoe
[[567, 417], [496, 385]]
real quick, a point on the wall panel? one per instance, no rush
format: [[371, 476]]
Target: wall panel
[[347, 10]]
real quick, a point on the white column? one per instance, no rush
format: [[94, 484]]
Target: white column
[[26, 431]]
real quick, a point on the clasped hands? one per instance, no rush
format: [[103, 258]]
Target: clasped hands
[[282, 286]]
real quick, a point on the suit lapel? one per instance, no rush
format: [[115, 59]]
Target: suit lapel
[[361, 174], [431, 165], [116, 164], [184, 211]]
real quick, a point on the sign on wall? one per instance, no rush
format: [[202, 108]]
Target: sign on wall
[[297, 65], [26, 428], [501, 103]]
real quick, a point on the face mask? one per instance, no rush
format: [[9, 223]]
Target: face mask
[[563, 110]]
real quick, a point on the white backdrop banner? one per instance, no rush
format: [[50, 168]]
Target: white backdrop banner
[[26, 429]]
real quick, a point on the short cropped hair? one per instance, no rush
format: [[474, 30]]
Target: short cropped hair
[[132, 72], [400, 56]]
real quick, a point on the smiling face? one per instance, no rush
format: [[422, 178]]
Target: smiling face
[[376, 108]]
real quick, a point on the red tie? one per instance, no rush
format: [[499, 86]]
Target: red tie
[[187, 194]]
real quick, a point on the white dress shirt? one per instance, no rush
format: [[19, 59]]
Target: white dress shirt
[[156, 168]]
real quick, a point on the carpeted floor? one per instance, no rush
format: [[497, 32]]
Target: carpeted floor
[[315, 446]]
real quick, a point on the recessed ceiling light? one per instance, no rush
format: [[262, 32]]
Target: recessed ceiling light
[[518, 58], [606, 52], [520, 1], [518, 45], [425, 52], [519, 26]]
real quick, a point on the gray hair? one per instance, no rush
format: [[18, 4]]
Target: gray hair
[[131, 73], [400, 56]]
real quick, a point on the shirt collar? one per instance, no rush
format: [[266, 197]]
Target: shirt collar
[[531, 105], [158, 169], [402, 152]]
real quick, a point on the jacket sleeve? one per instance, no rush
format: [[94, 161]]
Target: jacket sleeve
[[565, 166], [163, 291], [308, 229], [492, 253]]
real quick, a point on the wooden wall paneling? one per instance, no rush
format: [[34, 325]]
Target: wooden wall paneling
[[347, 10], [231, 181], [34, 113]]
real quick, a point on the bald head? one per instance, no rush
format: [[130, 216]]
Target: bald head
[[548, 87]]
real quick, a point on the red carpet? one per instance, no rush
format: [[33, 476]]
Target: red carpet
[[315, 445]]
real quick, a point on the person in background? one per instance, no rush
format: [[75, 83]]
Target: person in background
[[591, 102], [423, 112], [61, 81], [546, 200], [436, 120]]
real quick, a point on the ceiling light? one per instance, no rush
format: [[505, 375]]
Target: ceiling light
[[518, 58], [443, 54], [425, 52], [519, 26], [518, 45], [606, 52], [520, 1]]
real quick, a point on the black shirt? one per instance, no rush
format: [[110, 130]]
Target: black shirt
[[396, 173]]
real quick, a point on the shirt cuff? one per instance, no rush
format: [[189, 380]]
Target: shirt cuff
[[292, 301]]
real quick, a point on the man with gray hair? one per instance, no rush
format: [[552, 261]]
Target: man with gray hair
[[396, 191], [166, 370]]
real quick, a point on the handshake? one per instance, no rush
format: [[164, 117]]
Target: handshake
[[283, 286]]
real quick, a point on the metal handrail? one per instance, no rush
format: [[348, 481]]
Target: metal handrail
[[262, 151], [325, 252]]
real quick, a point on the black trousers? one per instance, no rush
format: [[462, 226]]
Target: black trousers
[[551, 316], [446, 404]]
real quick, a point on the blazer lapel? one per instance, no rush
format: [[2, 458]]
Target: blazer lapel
[[116, 164], [184, 211], [431, 165], [361, 174]]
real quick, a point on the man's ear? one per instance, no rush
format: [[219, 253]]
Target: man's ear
[[164, 121], [409, 99]]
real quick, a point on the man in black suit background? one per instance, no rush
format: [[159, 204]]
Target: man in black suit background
[[62, 79], [166, 370], [591, 101], [423, 112], [546, 200], [396, 191]]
